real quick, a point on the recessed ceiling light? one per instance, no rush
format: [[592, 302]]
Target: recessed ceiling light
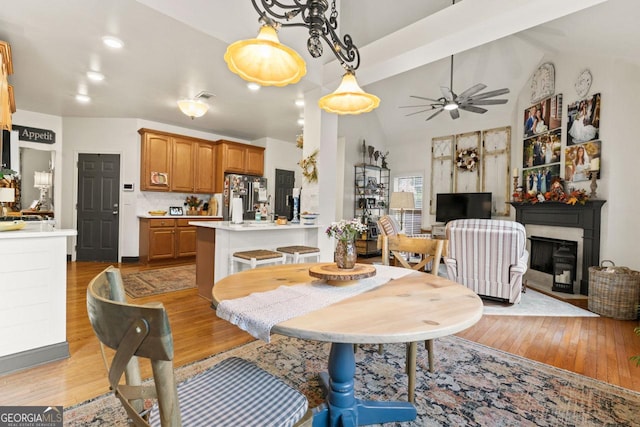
[[83, 98], [253, 86], [301, 122], [300, 102], [95, 76], [113, 42]]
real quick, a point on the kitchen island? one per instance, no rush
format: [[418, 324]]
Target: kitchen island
[[33, 310], [217, 240]]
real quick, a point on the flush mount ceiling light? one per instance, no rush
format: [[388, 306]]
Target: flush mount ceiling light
[[195, 107], [264, 60]]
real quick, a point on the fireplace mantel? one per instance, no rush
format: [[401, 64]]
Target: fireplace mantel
[[557, 214]]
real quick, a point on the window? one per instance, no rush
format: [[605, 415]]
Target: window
[[412, 218]]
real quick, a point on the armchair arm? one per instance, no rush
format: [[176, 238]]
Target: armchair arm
[[452, 268]]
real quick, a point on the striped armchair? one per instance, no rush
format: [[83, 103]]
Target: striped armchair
[[488, 256]]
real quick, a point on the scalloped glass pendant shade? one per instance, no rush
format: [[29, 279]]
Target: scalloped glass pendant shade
[[264, 60], [349, 98]]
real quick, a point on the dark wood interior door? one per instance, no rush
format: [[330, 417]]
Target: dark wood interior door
[[98, 207], [285, 180]]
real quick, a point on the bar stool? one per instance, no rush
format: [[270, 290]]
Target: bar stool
[[255, 257], [298, 253]]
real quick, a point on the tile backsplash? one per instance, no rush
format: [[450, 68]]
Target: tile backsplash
[[148, 200]]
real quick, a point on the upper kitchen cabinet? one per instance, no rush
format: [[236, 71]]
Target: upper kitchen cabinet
[[241, 158], [177, 163], [156, 154], [234, 157]]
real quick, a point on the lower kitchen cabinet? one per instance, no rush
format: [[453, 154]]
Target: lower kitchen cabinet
[[167, 238]]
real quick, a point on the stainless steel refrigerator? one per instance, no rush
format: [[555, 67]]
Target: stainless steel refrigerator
[[251, 189]]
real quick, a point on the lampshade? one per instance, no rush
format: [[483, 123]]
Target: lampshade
[[264, 60], [7, 195], [349, 98], [42, 179], [193, 107], [402, 200]]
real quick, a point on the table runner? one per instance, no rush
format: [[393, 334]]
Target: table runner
[[259, 312]]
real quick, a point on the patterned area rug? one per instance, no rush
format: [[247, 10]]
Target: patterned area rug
[[153, 282], [473, 385]]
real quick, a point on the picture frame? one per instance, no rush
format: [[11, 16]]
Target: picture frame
[[176, 211]]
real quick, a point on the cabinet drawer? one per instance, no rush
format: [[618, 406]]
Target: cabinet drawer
[[164, 222]]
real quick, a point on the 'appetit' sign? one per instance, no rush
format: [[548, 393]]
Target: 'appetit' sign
[[43, 136]]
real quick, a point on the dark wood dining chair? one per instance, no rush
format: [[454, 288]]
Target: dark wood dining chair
[[233, 392]]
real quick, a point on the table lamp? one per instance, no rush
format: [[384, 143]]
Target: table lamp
[[7, 195], [42, 180], [402, 200]]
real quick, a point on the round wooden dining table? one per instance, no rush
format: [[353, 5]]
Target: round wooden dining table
[[415, 307]]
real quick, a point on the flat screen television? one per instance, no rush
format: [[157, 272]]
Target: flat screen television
[[450, 206]]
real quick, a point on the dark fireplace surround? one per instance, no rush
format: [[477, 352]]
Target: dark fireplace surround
[[557, 214]]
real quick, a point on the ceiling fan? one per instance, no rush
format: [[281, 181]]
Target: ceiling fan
[[467, 100]]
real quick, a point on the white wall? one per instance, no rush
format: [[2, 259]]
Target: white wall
[[620, 88], [117, 136]]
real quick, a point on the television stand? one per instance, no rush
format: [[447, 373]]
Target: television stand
[[438, 230]]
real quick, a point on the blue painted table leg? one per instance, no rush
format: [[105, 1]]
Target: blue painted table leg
[[342, 408]]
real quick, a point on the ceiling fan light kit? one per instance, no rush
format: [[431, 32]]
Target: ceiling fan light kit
[[264, 60]]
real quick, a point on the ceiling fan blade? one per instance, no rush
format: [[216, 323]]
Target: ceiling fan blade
[[447, 93], [472, 91], [485, 101], [426, 99], [434, 114], [454, 113], [418, 112], [472, 109], [415, 106], [491, 93]]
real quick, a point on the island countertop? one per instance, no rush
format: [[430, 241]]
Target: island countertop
[[251, 225], [36, 229]]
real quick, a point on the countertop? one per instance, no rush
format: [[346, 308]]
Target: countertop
[[179, 216], [36, 229], [251, 225]]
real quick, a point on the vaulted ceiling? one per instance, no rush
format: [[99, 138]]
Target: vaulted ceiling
[[175, 50]]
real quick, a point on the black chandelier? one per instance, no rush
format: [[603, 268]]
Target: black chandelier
[[264, 60], [313, 17]]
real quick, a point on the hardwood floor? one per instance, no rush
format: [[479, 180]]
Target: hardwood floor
[[596, 347]]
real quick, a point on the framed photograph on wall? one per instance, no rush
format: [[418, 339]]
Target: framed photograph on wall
[[583, 120], [580, 160]]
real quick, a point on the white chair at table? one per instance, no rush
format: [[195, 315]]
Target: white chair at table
[[431, 251], [136, 331]]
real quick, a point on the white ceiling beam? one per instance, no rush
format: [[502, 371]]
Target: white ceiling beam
[[461, 27]]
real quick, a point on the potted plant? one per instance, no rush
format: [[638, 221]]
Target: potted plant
[[193, 203]]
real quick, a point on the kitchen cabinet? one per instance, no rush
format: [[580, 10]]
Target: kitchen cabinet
[[167, 238], [155, 168], [234, 157], [177, 163], [205, 168]]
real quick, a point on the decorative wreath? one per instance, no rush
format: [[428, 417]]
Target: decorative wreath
[[309, 167], [467, 159]]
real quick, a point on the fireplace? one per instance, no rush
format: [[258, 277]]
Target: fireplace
[[556, 257], [556, 214]]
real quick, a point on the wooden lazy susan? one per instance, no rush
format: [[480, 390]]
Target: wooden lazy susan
[[341, 276]]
